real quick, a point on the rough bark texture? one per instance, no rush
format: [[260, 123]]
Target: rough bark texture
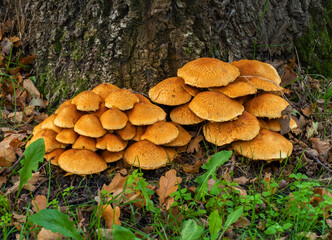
[[135, 44]]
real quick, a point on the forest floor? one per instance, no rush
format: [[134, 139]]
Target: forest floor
[[206, 193]]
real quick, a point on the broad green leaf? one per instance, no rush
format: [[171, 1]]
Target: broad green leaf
[[191, 231], [232, 218], [56, 221], [214, 162], [123, 233], [33, 155], [215, 224]]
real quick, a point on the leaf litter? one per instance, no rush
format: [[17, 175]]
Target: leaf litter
[[23, 108]]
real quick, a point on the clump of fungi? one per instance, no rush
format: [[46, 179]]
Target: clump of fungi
[[237, 103]]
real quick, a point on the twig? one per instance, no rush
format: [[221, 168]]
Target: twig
[[6, 171], [78, 200], [309, 155]]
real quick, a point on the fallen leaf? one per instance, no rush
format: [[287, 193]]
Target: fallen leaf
[[288, 77], [211, 182], [118, 183], [30, 184], [31, 88], [311, 129], [323, 147], [29, 110], [15, 117], [28, 59], [111, 216], [242, 192], [167, 185], [329, 222], [242, 222], [302, 122], [37, 102], [192, 168], [308, 235], [105, 233], [7, 153], [39, 203], [194, 145], [19, 218], [45, 234], [307, 111], [6, 45], [3, 179], [241, 180]]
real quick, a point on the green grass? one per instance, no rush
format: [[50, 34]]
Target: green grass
[[209, 213]]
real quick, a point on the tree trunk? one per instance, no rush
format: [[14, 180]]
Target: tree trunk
[[135, 44]]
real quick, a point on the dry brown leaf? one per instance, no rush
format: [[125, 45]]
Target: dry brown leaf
[[118, 182], [29, 110], [242, 192], [289, 76], [329, 160], [45, 234], [211, 182], [7, 153], [39, 203], [192, 168], [167, 185], [323, 147], [242, 222], [30, 87], [30, 185], [3, 179], [28, 59], [241, 180], [15, 117], [194, 145], [105, 233], [111, 216], [329, 222], [19, 218], [6, 45], [308, 235], [307, 111]]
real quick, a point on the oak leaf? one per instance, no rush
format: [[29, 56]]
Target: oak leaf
[[194, 144], [192, 168], [167, 185], [118, 183]]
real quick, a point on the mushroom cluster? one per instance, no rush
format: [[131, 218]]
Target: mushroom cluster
[[94, 128], [236, 103]]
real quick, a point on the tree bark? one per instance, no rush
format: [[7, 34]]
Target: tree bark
[[135, 44]]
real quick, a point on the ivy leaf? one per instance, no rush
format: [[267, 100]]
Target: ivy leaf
[[191, 230], [215, 224], [56, 221], [215, 161], [33, 155]]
